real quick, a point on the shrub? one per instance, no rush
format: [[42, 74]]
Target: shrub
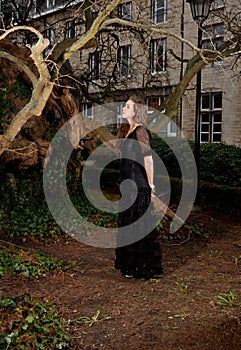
[[221, 197], [220, 164]]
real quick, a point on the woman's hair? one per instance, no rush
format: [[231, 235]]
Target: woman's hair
[[140, 115], [123, 129], [139, 108]]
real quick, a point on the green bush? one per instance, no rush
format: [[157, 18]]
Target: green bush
[[23, 209], [220, 164], [24, 212], [220, 173], [164, 148], [29, 217], [221, 197]]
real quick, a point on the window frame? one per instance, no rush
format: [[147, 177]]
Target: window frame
[[86, 108], [50, 3], [95, 65], [158, 63], [120, 107], [168, 129], [50, 35], [122, 66], [162, 11], [211, 36], [211, 112], [38, 7], [217, 5], [70, 29], [121, 11]]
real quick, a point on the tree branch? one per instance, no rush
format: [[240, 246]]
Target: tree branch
[[42, 89], [21, 65]]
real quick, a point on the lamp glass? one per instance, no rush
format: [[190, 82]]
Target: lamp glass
[[200, 9]]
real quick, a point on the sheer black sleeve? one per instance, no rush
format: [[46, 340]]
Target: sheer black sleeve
[[144, 137]]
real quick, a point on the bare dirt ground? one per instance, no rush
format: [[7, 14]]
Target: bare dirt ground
[[177, 311]]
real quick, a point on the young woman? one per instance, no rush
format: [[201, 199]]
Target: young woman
[[142, 257]]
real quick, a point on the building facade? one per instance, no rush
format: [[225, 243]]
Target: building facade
[[220, 89], [125, 60]]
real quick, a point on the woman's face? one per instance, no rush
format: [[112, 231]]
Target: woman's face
[[128, 111]]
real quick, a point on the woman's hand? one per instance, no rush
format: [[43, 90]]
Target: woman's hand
[[152, 190]]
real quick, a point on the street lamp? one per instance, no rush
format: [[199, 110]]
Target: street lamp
[[200, 11]]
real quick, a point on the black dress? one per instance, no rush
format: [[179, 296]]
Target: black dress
[[138, 252]]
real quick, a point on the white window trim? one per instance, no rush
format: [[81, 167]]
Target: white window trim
[[168, 129], [48, 10], [70, 26], [50, 3], [86, 108], [216, 132], [50, 34], [93, 63], [216, 5], [121, 48], [170, 133], [155, 11], [119, 113], [211, 111], [210, 39], [154, 70], [127, 17]]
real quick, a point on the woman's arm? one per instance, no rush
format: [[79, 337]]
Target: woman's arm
[[148, 164]]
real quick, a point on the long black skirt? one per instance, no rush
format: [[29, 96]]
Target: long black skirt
[[142, 258]]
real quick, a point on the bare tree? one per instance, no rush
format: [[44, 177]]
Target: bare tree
[[43, 73], [49, 88]]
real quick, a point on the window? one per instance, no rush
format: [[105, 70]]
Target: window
[[120, 107], [159, 11], [95, 15], [211, 117], [158, 56], [213, 36], [153, 103], [95, 65], [70, 31], [124, 60], [88, 110], [124, 11], [49, 34], [50, 3], [217, 4], [39, 5]]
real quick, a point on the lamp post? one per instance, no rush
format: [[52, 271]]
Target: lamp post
[[200, 11]]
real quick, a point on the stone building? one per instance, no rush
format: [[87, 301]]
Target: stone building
[[128, 60], [220, 88]]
